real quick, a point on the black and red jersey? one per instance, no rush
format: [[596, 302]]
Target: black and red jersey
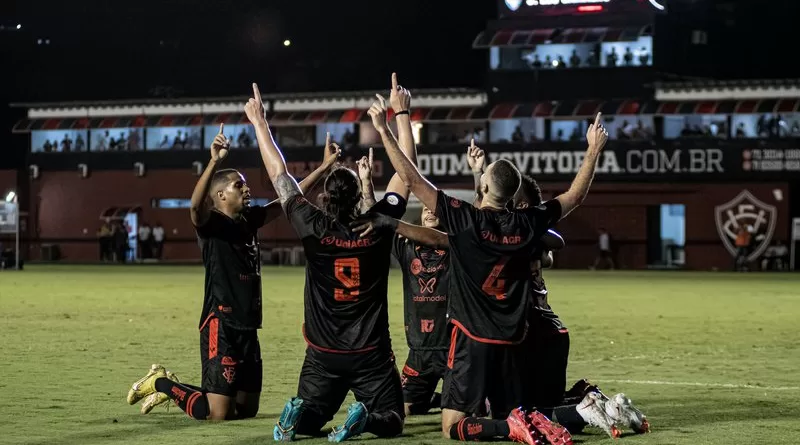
[[346, 278], [231, 257], [490, 258], [425, 287]]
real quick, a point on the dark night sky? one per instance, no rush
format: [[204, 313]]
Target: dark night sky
[[103, 49]]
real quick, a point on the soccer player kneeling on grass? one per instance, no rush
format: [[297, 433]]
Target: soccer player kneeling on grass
[[346, 317], [491, 250], [230, 351]]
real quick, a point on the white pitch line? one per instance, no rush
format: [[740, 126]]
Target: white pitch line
[[707, 385]]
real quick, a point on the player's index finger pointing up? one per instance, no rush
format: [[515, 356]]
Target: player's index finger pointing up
[[221, 128], [381, 100], [256, 92], [597, 119], [370, 156], [394, 81]]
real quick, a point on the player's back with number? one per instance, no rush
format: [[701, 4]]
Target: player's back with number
[[346, 278], [490, 254]]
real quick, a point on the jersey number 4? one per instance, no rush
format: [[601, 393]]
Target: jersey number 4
[[348, 273], [494, 285]]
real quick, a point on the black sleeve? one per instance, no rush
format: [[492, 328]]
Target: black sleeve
[[454, 214], [303, 216], [392, 205], [545, 216], [213, 227], [259, 216], [398, 247]]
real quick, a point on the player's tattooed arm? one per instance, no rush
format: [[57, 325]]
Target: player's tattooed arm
[[286, 187], [369, 223], [365, 176], [405, 168], [476, 159], [200, 208], [596, 136]]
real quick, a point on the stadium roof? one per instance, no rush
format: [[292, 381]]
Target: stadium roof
[[728, 90]]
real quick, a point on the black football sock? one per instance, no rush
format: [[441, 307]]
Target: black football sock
[[473, 428], [569, 417], [388, 424], [192, 401]]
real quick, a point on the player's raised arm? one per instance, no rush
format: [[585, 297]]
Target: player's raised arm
[[284, 184], [596, 136], [400, 100], [476, 158], [329, 156], [365, 176], [427, 236], [406, 170], [200, 205]]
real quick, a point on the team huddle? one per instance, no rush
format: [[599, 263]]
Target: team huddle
[[476, 310]]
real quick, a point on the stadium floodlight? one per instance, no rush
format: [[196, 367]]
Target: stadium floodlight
[[11, 196]]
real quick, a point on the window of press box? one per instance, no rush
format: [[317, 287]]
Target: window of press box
[[178, 203]]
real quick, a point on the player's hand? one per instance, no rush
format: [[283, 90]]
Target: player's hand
[[596, 135], [220, 145], [378, 113], [365, 167], [254, 108], [476, 158], [399, 97], [332, 152], [371, 222]]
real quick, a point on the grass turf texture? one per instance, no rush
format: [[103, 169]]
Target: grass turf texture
[[711, 358]]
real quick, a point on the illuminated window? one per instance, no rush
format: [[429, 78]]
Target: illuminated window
[[179, 203]]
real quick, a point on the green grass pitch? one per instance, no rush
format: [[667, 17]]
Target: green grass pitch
[[710, 358]]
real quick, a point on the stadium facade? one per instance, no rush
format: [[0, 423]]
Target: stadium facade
[[688, 161]]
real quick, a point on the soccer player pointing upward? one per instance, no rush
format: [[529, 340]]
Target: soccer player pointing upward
[[491, 250], [346, 318], [227, 229]]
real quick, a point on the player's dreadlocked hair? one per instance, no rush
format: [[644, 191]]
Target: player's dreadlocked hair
[[342, 194], [529, 192]]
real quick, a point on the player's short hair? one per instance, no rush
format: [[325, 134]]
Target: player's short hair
[[342, 194], [529, 192], [506, 178], [221, 178]]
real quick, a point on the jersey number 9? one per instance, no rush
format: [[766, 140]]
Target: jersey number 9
[[348, 273]]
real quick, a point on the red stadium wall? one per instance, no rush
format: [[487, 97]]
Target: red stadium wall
[[63, 205]]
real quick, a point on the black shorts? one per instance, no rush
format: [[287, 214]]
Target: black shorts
[[480, 371], [231, 359], [422, 373], [326, 377], [546, 368]]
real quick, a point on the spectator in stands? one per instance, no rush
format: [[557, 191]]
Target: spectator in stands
[[517, 136], [122, 143], [158, 240], [184, 139], [244, 139], [548, 62], [177, 142], [574, 60], [164, 143], [604, 250], [740, 133], [560, 63], [642, 132], [102, 140], [594, 57], [112, 143], [145, 244], [66, 144], [537, 63], [47, 147], [575, 136], [644, 57], [776, 257], [612, 58], [743, 238], [628, 56], [80, 144], [625, 131]]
